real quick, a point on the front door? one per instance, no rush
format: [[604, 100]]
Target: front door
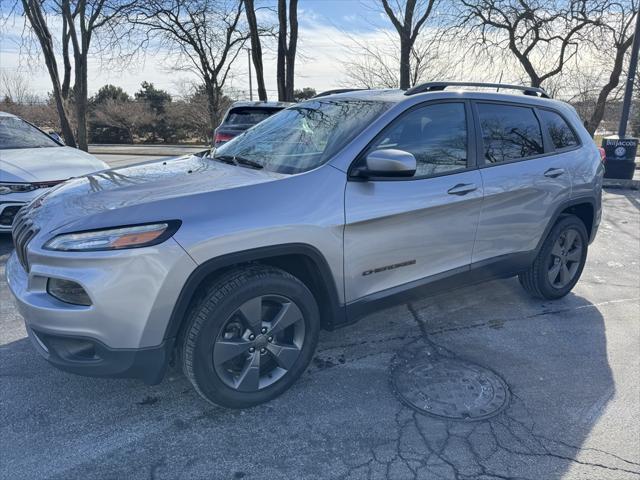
[[402, 230]]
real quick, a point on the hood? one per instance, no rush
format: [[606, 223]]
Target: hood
[[46, 164], [122, 194]]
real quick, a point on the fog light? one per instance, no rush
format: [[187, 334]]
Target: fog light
[[68, 291]]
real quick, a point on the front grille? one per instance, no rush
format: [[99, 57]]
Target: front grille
[[23, 231]]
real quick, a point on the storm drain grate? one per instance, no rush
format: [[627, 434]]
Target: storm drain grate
[[447, 387]]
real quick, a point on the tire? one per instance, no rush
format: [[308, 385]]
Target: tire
[[245, 312], [555, 254]]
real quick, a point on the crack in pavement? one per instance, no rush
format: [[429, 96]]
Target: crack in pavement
[[500, 448], [488, 323]]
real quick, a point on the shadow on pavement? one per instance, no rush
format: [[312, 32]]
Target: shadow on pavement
[[341, 420], [632, 195]]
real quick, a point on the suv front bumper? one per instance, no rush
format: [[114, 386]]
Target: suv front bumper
[[89, 357], [122, 333]]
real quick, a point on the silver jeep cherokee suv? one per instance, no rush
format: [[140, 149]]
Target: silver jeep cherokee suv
[[232, 261]]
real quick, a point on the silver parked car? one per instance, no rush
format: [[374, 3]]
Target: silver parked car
[[328, 210], [32, 161]]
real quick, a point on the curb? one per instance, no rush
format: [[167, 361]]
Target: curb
[[620, 183], [161, 150]]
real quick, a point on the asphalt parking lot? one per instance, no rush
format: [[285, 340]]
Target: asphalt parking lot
[[572, 367]]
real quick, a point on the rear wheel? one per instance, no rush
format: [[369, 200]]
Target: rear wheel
[[251, 337], [559, 264]]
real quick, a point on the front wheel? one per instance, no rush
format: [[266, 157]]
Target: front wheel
[[251, 337], [559, 264]]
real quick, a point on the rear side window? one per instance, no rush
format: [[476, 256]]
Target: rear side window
[[509, 133], [435, 134], [561, 134]]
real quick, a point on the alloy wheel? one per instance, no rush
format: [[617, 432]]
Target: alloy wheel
[[565, 258], [259, 343]]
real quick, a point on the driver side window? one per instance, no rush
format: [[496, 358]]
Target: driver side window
[[436, 135]]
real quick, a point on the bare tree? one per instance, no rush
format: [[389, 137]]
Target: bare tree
[[127, 115], [408, 21], [614, 36], [287, 45], [256, 47], [375, 63], [204, 34], [196, 113], [81, 20], [14, 88], [543, 35], [17, 97], [33, 10]]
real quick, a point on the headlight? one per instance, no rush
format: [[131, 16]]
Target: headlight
[[114, 238], [6, 188]]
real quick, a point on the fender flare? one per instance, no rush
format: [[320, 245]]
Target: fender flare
[[561, 208], [255, 255]]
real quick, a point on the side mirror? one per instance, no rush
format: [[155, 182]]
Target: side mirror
[[388, 163]]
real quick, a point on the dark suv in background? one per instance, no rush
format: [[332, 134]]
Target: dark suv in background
[[242, 116]]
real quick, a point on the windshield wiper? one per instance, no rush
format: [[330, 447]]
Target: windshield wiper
[[235, 160], [225, 159]]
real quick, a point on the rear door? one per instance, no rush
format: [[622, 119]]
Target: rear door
[[524, 179], [403, 230]]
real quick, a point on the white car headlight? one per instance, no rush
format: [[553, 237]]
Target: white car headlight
[[114, 238], [6, 188]]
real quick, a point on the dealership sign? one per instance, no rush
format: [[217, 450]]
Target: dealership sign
[[620, 148]]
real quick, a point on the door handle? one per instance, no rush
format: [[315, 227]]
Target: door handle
[[554, 172], [462, 189]]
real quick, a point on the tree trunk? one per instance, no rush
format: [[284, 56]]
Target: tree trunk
[[291, 49], [614, 79], [36, 18], [66, 81], [405, 63], [212, 106], [282, 50], [80, 101], [256, 48], [408, 30], [65, 125]]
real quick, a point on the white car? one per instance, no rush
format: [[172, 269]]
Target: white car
[[30, 161]]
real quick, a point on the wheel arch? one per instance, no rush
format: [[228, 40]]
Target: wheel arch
[[585, 211], [582, 207], [300, 260]]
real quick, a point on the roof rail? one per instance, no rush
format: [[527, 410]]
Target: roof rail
[[338, 90], [438, 86]]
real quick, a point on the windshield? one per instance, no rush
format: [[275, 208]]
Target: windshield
[[304, 136], [16, 133]]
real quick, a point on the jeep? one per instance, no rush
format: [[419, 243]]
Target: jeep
[[229, 263]]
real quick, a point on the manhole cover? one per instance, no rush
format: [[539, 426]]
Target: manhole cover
[[448, 387]]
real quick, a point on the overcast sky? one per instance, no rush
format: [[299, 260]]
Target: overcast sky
[[325, 28]]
